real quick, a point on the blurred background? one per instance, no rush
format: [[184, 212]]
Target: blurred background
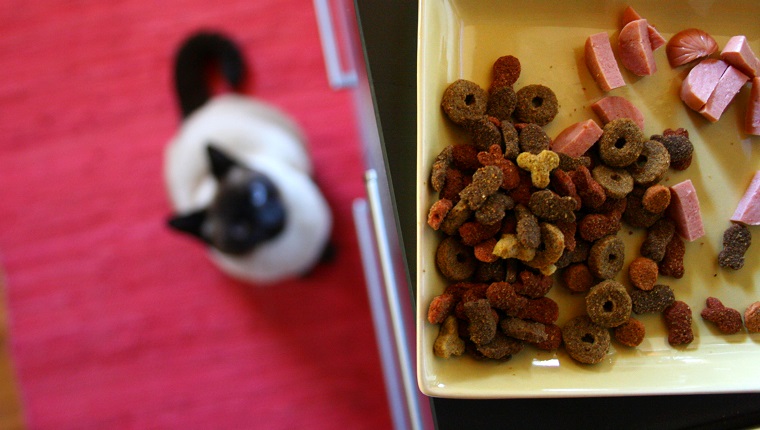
[[110, 320]]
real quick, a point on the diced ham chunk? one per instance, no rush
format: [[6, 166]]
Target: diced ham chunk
[[684, 211], [728, 86], [636, 49], [614, 107], [738, 53], [578, 138], [701, 82], [655, 38], [601, 62], [748, 210], [752, 125]]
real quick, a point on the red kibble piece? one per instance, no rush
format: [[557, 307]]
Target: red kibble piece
[[506, 70], [458, 289], [473, 232], [509, 224], [672, 261], [578, 278], [438, 212], [553, 338], [495, 157], [502, 296], [440, 307], [542, 309], [562, 184], [521, 193], [533, 285], [568, 230], [593, 227], [592, 194], [728, 321], [613, 208], [484, 251], [630, 333], [465, 157], [678, 321], [528, 331], [643, 273], [455, 182]]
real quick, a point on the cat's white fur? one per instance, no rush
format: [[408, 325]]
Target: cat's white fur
[[267, 141]]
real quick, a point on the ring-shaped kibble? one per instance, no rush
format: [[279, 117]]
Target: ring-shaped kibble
[[551, 248], [585, 341], [617, 183], [608, 304], [455, 260], [621, 142], [536, 104], [651, 164], [501, 102], [605, 259], [464, 101]]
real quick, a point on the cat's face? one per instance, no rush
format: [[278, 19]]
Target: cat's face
[[246, 211]]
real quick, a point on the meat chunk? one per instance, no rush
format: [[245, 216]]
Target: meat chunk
[[577, 139], [614, 107], [684, 211], [701, 82], [655, 38], [636, 49], [728, 86], [689, 45], [601, 62], [738, 53], [752, 125], [748, 210]]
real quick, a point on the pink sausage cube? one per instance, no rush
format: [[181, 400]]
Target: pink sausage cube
[[738, 53], [752, 125], [601, 62], [728, 86], [614, 107], [701, 82], [748, 210], [578, 138], [684, 211], [655, 38], [636, 48]]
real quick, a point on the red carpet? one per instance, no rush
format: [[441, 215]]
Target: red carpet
[[116, 322]]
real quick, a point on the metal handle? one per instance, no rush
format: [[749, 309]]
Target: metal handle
[[394, 301], [338, 77]]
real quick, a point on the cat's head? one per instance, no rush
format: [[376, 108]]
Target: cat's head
[[246, 211]]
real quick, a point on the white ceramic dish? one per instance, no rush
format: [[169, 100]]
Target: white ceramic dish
[[461, 39]]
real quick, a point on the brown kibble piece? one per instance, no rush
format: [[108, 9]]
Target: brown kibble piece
[[562, 184], [464, 101], [653, 301], [578, 278], [536, 104], [501, 102], [553, 246], [455, 218], [631, 333], [511, 138], [585, 341], [736, 241], [678, 321], [621, 143], [448, 343], [482, 325], [752, 317], [501, 347], [438, 212], [577, 255], [553, 338], [608, 304], [568, 163], [635, 214], [528, 229], [728, 321], [484, 132], [494, 209], [548, 206], [651, 165], [533, 139], [679, 147], [485, 181], [656, 198], [455, 260], [495, 157], [643, 273], [658, 237], [489, 271], [606, 257], [528, 331], [441, 165]]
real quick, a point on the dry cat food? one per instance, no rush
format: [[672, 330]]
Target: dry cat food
[[513, 209]]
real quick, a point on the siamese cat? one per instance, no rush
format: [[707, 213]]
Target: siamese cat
[[238, 173]]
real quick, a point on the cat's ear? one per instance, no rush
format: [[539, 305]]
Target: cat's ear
[[191, 223], [221, 163]]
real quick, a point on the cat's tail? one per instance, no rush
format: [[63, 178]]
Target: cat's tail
[[196, 61]]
